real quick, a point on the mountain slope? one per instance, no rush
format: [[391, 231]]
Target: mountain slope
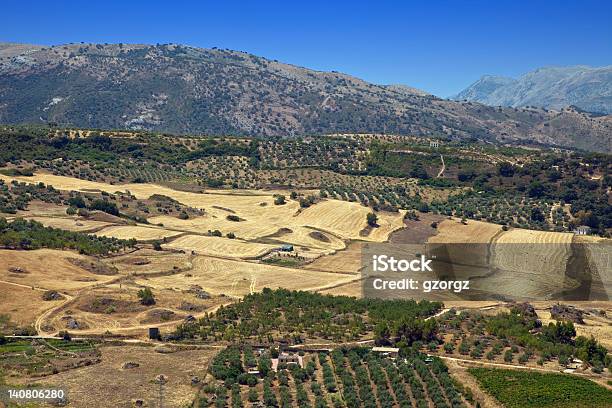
[[184, 89], [587, 88]]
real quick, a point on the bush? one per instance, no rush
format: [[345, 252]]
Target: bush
[[146, 297], [372, 219], [279, 200]]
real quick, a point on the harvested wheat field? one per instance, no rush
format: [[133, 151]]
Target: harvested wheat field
[[348, 219], [137, 232], [474, 232], [218, 246], [346, 261], [309, 238], [144, 191], [353, 288], [48, 269], [116, 386], [148, 261], [249, 228], [238, 278], [258, 215], [538, 251], [528, 264]]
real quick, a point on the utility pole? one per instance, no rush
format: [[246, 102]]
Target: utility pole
[[161, 380]]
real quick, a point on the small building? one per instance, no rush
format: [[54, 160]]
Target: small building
[[434, 143], [391, 352], [287, 359], [287, 248], [583, 230], [154, 333]]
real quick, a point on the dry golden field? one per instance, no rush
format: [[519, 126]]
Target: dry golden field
[[220, 247], [116, 308], [259, 216], [147, 261], [238, 278], [474, 232], [345, 261], [47, 269], [23, 304], [531, 263]]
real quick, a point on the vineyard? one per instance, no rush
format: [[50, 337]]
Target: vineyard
[[539, 390], [341, 378]]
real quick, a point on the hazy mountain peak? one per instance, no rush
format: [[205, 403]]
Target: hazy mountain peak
[[588, 88]]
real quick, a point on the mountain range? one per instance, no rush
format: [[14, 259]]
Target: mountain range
[[183, 89], [587, 88]]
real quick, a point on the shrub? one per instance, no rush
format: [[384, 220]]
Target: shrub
[[146, 297]]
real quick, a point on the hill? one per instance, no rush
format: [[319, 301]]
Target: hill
[[587, 88], [182, 89]]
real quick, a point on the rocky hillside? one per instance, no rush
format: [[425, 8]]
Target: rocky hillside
[[183, 89], [587, 88]]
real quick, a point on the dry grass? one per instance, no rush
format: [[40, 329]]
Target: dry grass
[[116, 308], [48, 269], [346, 261], [221, 247], [148, 261], [108, 384], [530, 264], [256, 208], [475, 232], [348, 219], [23, 304], [238, 278]]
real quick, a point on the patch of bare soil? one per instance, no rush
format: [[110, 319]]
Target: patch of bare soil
[[366, 231], [105, 217], [159, 316], [95, 304], [319, 236], [417, 231], [95, 267], [281, 232]]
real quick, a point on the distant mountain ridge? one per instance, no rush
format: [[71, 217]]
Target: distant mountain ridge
[[183, 89], [587, 88]]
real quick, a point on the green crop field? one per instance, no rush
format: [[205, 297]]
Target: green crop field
[[522, 389]]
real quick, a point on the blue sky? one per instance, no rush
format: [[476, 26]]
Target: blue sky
[[438, 46]]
